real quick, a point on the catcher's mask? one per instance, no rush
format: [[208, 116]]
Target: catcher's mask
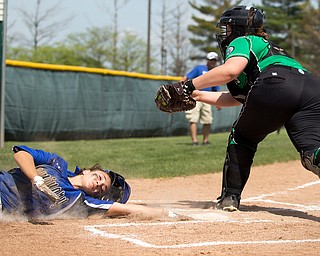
[[243, 20]]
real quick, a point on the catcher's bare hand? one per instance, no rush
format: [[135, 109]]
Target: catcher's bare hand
[[38, 181], [174, 98]]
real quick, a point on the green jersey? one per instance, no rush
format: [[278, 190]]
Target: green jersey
[[261, 54]]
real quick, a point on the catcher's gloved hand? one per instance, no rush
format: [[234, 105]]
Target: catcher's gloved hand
[[175, 97], [38, 182]]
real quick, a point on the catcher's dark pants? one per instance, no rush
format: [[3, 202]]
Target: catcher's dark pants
[[282, 96]]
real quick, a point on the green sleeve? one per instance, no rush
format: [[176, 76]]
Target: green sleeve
[[240, 47]]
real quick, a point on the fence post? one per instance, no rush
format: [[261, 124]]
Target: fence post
[[3, 32]]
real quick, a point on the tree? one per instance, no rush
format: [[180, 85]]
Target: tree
[[293, 26], [178, 46], [174, 46], [58, 54], [115, 30], [90, 49], [131, 53], [94, 46], [163, 37], [41, 24], [309, 41], [204, 29], [283, 22]]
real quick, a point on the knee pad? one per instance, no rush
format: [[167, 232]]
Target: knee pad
[[311, 161]]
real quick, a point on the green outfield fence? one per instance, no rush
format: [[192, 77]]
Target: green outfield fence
[[57, 102]]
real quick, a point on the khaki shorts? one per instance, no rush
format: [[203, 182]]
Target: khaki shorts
[[202, 112]]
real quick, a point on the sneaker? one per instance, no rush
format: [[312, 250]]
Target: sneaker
[[206, 143], [228, 203], [195, 143]]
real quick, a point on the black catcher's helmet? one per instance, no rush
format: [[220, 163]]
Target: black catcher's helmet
[[243, 20], [119, 191]]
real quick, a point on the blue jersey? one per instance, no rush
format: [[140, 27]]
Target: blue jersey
[[198, 71], [19, 195]]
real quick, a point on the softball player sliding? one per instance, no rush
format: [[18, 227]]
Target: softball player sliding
[[42, 185]]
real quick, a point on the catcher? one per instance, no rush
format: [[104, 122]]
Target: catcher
[[42, 186], [273, 89]]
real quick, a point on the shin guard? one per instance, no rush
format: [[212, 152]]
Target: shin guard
[[236, 170]]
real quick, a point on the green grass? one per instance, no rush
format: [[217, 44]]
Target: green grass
[[155, 157]]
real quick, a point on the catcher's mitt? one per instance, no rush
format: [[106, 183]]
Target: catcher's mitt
[[174, 98]]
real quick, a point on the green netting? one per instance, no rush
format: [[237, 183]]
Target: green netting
[[63, 105]]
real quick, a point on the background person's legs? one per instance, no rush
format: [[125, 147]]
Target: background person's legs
[[206, 131], [206, 120], [193, 118], [193, 132]]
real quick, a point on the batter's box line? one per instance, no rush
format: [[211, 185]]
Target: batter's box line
[[141, 243], [298, 207], [283, 192], [169, 223], [262, 197]]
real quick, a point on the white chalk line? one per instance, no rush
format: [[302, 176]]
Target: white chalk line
[[261, 198], [94, 229], [284, 192], [298, 207], [169, 223], [141, 243]]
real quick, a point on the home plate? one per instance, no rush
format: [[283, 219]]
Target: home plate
[[207, 215]]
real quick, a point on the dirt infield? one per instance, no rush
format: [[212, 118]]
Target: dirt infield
[[279, 215]]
